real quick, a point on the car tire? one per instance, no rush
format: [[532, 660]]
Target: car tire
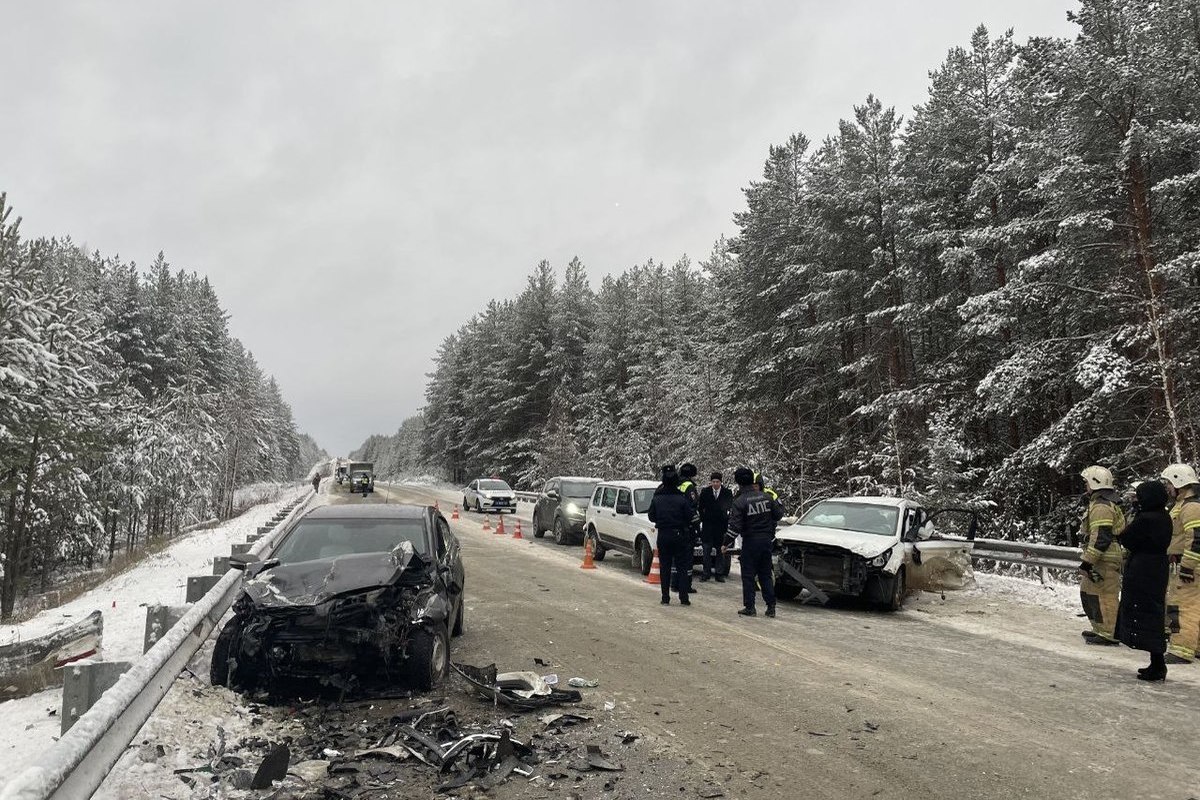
[[598, 550], [643, 559], [460, 618], [428, 657], [466, 505], [224, 651], [538, 531], [787, 591], [478, 507], [561, 535], [898, 589]]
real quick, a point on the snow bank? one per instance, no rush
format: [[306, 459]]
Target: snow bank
[[159, 579]]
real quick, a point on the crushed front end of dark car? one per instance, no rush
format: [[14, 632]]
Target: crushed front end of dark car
[[354, 620]]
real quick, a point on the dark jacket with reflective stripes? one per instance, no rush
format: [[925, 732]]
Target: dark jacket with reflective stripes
[[671, 510], [753, 516]]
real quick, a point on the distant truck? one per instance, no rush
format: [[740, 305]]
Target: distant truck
[[362, 476], [342, 473]]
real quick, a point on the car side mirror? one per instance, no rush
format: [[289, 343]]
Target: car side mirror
[[624, 508], [242, 560], [552, 494]]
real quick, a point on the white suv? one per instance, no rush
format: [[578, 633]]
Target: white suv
[[616, 520]]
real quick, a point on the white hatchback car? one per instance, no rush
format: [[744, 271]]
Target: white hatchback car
[[616, 519], [877, 548]]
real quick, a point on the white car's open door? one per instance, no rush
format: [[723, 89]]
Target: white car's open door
[[941, 554]]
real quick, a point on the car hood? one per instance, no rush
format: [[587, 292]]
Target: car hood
[[867, 545], [310, 583]]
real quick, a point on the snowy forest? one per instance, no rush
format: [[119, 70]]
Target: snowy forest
[[967, 304], [127, 411]]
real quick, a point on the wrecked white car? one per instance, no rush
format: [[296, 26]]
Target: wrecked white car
[[350, 595], [877, 548]]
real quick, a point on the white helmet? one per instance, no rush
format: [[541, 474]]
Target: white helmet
[[1097, 478], [1180, 475]]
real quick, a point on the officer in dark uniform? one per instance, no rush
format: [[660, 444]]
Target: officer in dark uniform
[[672, 512], [687, 485], [754, 516]]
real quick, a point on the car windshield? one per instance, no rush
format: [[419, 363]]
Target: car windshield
[[494, 486], [641, 500], [315, 539], [849, 516], [580, 490]]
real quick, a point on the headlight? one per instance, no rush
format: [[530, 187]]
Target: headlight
[[574, 510], [882, 558]]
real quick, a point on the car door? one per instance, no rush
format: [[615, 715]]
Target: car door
[[625, 526], [449, 559], [940, 544], [547, 504], [469, 493], [606, 516]]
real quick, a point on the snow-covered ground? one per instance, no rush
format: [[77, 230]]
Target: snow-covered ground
[[31, 723]]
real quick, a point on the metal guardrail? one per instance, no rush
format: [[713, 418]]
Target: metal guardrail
[[1029, 554], [80, 761], [527, 497]]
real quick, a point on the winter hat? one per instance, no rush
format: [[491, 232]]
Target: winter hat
[[1151, 496], [669, 475], [716, 476], [743, 476], [688, 470]]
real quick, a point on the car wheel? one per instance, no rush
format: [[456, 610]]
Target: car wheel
[[644, 558], [899, 586], [598, 550], [786, 591], [478, 507], [428, 657], [460, 617], [561, 536], [538, 531], [225, 648], [466, 505]]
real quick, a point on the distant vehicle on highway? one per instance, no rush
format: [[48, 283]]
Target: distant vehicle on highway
[[342, 473], [616, 520], [877, 548], [489, 494], [349, 592], [562, 508], [362, 477]]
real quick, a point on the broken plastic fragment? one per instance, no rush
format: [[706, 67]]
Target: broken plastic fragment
[[583, 683]]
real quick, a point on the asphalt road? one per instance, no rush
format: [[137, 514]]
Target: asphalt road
[[946, 699]]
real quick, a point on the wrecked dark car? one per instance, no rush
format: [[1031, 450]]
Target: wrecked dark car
[[351, 595]]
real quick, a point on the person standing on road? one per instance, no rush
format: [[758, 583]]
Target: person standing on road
[[1183, 594], [715, 501], [1100, 570], [753, 516], [1144, 580], [672, 511], [687, 485], [316, 482]]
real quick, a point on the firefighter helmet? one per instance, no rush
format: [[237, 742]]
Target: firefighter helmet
[[1097, 478], [1180, 475]]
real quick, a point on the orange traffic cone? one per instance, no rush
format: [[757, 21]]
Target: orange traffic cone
[[517, 532], [500, 527], [487, 523], [655, 576], [588, 563], [454, 515]]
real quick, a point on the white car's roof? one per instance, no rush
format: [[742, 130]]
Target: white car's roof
[[632, 484], [575, 478]]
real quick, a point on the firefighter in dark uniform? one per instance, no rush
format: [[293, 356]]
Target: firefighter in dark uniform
[[754, 516], [672, 513]]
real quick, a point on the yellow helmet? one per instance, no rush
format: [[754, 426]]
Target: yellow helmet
[[1180, 475], [1097, 478]]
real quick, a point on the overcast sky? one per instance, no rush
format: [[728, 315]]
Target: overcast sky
[[379, 170]]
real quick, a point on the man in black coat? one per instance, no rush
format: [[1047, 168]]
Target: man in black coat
[[1144, 582], [672, 513], [715, 501], [754, 516]]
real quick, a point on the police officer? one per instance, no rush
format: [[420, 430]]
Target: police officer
[[754, 516], [687, 485], [1183, 593], [715, 502], [672, 512], [1103, 556]]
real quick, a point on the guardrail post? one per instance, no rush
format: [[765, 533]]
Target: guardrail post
[[198, 586], [159, 620], [263, 529], [83, 684], [239, 549], [220, 565]]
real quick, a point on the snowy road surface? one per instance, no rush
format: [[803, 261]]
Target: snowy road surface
[[980, 695], [31, 724]]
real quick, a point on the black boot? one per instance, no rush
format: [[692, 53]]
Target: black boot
[[1157, 671], [770, 611], [683, 600], [719, 578], [748, 612], [666, 600]]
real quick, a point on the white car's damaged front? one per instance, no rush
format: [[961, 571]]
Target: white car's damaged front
[[876, 548]]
